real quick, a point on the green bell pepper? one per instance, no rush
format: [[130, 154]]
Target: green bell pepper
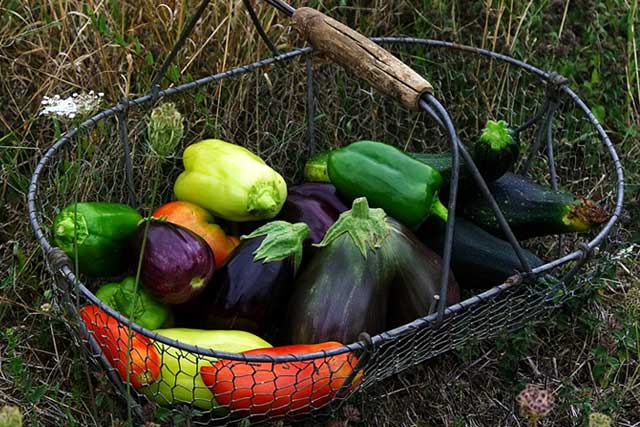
[[97, 234], [404, 187], [134, 302]]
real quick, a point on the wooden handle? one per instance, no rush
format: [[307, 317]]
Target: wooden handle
[[361, 57]]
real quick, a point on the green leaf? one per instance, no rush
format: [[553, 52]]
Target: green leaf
[[283, 240], [173, 73], [37, 393], [599, 111], [149, 58]]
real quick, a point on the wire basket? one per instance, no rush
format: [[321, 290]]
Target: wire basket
[[285, 108]]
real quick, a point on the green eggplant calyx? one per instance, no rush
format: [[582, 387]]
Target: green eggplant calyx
[[367, 227], [584, 215], [282, 240], [439, 210], [71, 228], [263, 197], [496, 135]]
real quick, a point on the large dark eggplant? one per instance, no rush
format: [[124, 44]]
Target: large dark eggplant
[[345, 288], [177, 264], [478, 259], [254, 284], [315, 204], [417, 278]]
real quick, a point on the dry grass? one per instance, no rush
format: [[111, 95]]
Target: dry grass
[[587, 354]]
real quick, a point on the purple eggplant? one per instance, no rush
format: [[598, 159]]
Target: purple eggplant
[[252, 287], [370, 272], [417, 278], [176, 263], [315, 204], [323, 192]]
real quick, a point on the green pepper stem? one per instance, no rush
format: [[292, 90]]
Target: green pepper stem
[[439, 210]]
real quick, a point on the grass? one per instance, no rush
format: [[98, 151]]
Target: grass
[[587, 354]]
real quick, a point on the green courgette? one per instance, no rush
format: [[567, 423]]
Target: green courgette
[[496, 151], [478, 259], [531, 209]]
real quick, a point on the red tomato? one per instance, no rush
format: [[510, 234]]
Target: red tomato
[[280, 388]]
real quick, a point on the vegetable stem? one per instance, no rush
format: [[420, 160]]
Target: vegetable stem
[[440, 210]]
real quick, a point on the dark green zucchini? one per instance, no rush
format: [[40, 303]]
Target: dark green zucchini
[[531, 209], [478, 259], [496, 151]]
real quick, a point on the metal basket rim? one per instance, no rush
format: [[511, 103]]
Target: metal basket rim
[[378, 339]]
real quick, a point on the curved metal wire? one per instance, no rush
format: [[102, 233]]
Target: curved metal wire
[[174, 51], [258, 25], [282, 6], [454, 142], [357, 346]]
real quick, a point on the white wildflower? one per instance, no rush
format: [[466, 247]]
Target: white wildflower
[[77, 105]]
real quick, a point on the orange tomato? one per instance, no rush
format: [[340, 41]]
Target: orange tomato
[[200, 221], [280, 388], [113, 337]]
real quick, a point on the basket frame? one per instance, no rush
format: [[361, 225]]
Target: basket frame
[[557, 88], [63, 268]]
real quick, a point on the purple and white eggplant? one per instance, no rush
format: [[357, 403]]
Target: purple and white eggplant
[[176, 263]]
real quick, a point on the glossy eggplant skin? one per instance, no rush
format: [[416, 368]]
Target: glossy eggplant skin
[[338, 295], [315, 204], [323, 192], [478, 259], [370, 273], [246, 294], [177, 264], [417, 278]]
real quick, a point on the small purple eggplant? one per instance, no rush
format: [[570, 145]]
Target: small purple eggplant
[[176, 263], [315, 204], [253, 286]]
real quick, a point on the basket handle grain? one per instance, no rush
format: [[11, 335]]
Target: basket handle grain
[[361, 57]]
